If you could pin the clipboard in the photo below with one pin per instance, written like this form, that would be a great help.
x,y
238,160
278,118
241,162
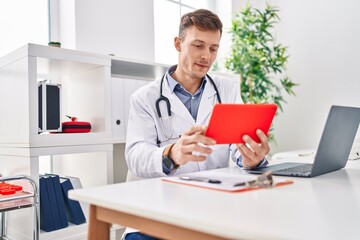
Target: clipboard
x,y
229,122
225,182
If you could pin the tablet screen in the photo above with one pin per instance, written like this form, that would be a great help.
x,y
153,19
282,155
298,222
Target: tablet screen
x,y
229,122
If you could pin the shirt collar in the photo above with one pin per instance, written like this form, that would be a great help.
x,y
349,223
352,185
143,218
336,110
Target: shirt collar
x,y
173,83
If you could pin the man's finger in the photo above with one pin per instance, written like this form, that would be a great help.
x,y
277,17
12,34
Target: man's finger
x,y
254,145
195,129
246,160
197,148
263,138
244,149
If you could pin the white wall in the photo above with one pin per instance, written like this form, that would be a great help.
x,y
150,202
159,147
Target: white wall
x,y
123,28
224,10
323,38
21,22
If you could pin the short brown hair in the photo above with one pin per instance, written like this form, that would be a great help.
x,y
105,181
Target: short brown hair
x,y
202,19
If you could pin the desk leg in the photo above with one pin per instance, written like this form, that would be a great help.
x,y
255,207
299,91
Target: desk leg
x,y
98,230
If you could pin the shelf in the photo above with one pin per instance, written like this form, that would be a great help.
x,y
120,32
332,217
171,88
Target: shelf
x,y
85,93
55,150
75,231
72,232
55,54
136,69
16,201
53,67
63,139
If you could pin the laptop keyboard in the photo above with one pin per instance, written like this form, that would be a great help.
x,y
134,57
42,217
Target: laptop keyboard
x,y
303,168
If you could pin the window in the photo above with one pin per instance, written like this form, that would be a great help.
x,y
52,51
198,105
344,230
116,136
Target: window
x,y
167,15
22,22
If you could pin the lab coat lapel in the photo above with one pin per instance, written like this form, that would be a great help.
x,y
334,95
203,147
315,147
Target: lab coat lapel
x,y
177,107
208,99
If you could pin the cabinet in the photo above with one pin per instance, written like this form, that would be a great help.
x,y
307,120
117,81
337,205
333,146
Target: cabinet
x,y
94,88
126,77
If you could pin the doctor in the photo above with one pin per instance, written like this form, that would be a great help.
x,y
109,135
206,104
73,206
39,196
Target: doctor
x,y
168,117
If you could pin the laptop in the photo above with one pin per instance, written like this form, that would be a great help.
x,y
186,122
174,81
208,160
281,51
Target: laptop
x,y
333,150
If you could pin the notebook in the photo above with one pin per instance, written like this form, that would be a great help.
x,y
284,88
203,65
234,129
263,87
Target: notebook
x,y
333,150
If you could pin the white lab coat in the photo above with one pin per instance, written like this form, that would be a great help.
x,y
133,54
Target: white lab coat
x,y
144,155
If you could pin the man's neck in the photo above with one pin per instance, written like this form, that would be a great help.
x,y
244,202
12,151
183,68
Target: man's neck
x,y
191,84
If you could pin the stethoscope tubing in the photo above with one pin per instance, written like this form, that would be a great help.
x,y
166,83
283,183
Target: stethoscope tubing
x,y
168,104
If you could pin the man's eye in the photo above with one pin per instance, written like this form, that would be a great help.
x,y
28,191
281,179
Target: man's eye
x,y
213,49
198,45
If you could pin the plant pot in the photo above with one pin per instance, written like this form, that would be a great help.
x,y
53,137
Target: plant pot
x,y
54,44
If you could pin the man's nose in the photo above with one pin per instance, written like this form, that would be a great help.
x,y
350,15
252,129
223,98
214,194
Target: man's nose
x,y
206,54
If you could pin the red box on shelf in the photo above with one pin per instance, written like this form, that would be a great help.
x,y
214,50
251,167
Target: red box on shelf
x,y
75,126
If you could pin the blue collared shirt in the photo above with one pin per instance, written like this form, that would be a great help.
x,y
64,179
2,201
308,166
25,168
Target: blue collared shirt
x,y
191,101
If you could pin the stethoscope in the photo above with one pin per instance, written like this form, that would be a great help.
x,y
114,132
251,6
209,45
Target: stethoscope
x,y
168,132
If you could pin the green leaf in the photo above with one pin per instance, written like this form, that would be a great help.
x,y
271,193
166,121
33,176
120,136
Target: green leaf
x,y
254,52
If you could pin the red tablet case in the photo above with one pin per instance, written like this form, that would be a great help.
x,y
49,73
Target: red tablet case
x,y
229,122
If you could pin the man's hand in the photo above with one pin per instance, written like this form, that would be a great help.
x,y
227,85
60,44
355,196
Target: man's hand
x,y
193,140
254,153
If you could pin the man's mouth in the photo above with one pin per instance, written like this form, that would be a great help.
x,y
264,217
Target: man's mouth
x,y
202,65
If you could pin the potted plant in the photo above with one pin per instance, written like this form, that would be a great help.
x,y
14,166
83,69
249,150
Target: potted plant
x,y
54,44
255,55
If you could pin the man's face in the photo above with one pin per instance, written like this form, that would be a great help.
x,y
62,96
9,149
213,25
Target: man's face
x,y
197,51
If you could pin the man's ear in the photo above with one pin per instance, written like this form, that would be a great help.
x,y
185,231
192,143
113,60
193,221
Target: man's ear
x,y
177,43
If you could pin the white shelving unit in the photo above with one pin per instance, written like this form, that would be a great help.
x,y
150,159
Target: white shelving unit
x,y
94,88
85,86
85,89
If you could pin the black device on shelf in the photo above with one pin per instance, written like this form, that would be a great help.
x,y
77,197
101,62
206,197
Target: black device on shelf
x,y
49,105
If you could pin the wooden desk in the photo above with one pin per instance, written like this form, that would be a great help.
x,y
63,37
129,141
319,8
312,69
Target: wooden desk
x,y
324,207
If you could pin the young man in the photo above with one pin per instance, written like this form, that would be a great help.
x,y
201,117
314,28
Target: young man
x,y
168,117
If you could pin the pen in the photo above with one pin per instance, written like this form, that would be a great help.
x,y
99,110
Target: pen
x,y
199,179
